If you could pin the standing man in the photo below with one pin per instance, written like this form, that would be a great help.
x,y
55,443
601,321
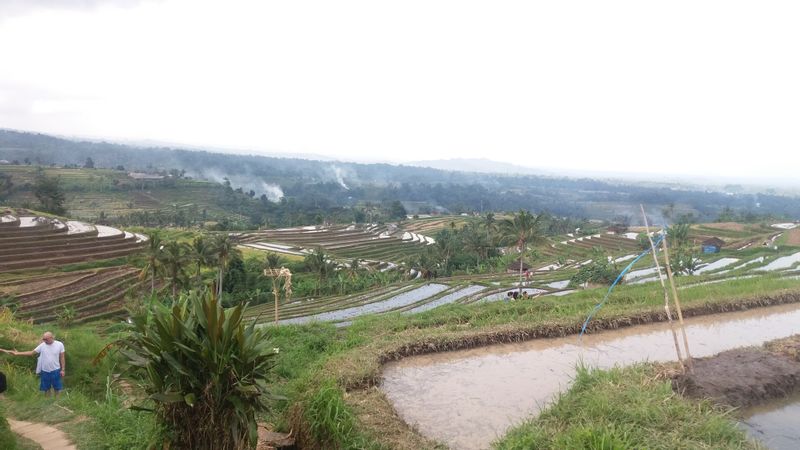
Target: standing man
x,y
50,365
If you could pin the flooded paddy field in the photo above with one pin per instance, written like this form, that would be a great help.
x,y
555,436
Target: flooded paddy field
x,y
776,424
468,398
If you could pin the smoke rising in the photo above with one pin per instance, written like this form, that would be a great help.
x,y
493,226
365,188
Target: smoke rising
x,y
272,191
338,173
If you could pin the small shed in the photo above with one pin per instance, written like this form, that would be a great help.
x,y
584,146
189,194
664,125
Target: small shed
x,y
712,245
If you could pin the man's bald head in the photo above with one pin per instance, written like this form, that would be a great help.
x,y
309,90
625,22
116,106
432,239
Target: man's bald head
x,y
48,337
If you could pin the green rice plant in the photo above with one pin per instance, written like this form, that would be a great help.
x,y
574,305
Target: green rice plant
x,y
204,371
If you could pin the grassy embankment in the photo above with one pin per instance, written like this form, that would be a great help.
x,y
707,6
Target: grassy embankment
x,y
634,407
629,407
93,410
328,373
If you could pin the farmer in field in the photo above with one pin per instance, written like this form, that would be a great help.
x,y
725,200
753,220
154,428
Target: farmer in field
x,y
50,365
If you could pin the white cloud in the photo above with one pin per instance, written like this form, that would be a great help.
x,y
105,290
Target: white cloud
x,y
684,87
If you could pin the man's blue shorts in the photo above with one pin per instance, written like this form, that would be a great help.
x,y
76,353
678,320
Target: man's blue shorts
x,y
49,380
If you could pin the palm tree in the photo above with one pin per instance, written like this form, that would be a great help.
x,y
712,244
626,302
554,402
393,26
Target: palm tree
x,y
678,234
154,245
273,260
174,255
444,247
522,229
425,264
354,268
224,249
318,262
476,242
202,253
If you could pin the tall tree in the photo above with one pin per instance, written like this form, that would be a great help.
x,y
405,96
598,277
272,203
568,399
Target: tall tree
x,y
273,260
224,249
5,185
522,229
203,254
49,193
174,256
678,234
444,247
476,242
320,263
153,265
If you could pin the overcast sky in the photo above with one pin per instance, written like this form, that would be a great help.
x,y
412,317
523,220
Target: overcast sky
x,y
680,87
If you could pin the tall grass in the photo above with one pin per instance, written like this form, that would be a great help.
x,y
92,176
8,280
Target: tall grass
x,y
626,408
7,439
92,408
332,424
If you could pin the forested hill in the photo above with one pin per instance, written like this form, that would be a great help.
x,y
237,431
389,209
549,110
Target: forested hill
x,y
327,184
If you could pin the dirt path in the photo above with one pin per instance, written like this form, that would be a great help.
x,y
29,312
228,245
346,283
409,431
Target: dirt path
x,y
49,438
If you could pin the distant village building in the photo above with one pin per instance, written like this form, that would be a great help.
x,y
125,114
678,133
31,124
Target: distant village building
x,y
145,176
712,245
4,161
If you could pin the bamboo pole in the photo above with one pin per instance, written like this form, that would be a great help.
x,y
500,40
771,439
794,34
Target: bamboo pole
x,y
677,305
275,294
277,275
664,288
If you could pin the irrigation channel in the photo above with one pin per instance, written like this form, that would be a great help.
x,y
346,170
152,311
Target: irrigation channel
x,y
775,424
469,398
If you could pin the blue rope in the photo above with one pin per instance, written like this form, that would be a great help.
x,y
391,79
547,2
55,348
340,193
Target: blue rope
x,y
619,277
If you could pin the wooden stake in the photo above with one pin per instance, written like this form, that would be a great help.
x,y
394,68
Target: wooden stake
x,y
278,275
677,304
275,294
664,288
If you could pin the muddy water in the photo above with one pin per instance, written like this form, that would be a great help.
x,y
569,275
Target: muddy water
x,y
469,398
775,424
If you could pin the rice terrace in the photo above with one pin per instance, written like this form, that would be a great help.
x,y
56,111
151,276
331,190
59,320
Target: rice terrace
x,y
377,332
351,225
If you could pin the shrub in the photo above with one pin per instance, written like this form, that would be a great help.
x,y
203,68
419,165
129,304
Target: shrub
x,y
600,270
204,370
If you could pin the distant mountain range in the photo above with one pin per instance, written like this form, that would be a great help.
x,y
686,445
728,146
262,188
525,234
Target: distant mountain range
x,y
454,185
479,165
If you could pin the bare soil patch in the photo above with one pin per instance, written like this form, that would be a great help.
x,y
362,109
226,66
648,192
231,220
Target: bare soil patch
x,y
731,226
23,286
741,377
793,237
268,439
788,347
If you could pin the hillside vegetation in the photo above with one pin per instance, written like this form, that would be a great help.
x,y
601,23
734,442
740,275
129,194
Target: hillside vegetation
x,y
315,191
